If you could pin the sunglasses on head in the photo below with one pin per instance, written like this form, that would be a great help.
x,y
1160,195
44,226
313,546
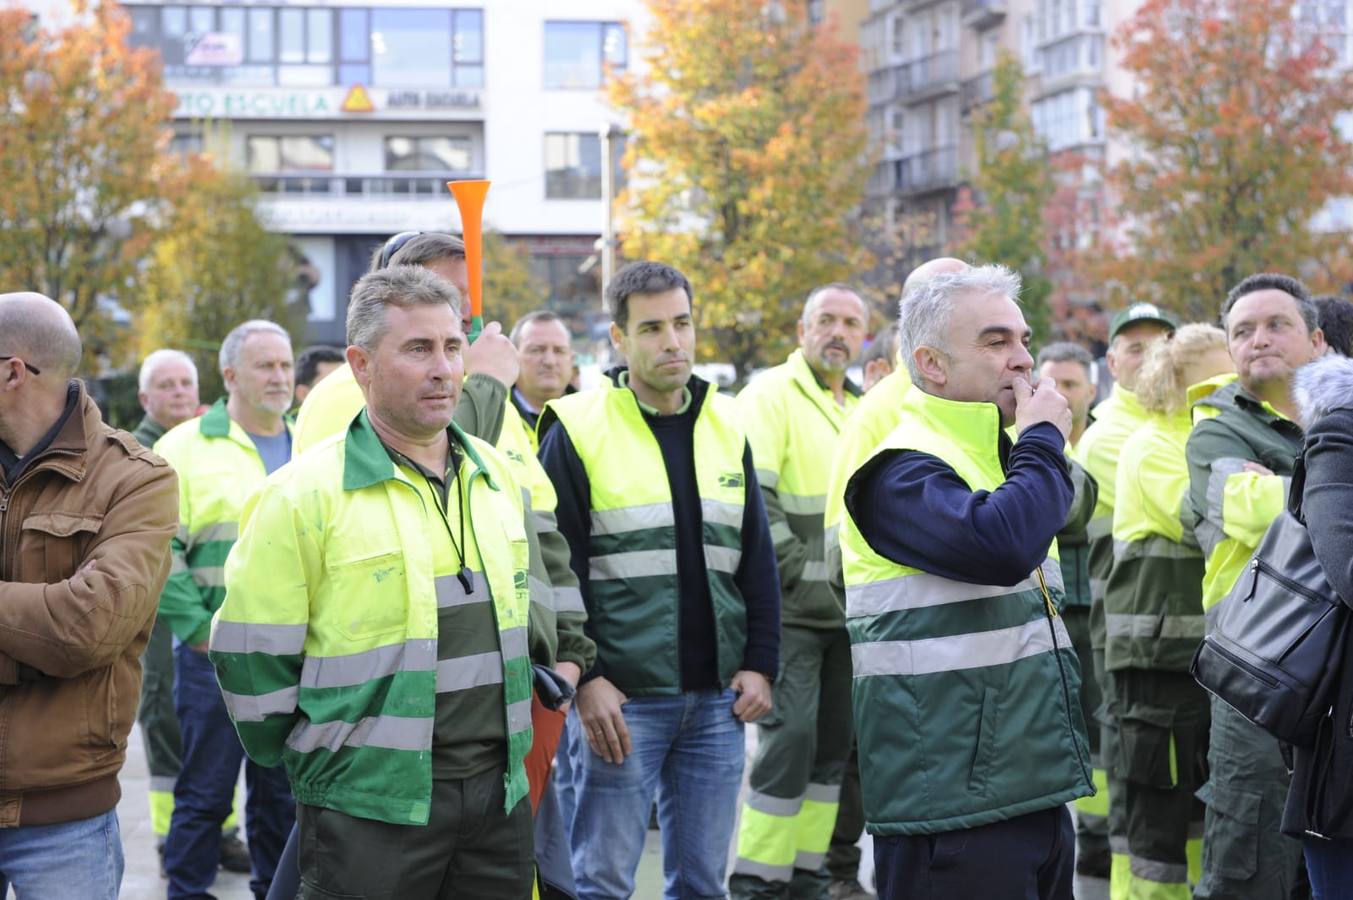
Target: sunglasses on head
x,y
27,365
394,245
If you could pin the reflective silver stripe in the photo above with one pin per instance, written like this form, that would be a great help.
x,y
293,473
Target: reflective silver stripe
x,y
417,655
632,518
780,531
1144,625
541,593
388,732
221,531
164,783
518,716
256,707
722,559
956,652
801,505
465,672
632,564
450,592
274,640
1118,844
1159,872
568,600
824,793
208,576
923,589
514,642
1098,528
1154,546
722,513
767,478
764,871
1222,469
1097,587
807,861
181,534
177,565
1209,537
815,570
544,522
786,807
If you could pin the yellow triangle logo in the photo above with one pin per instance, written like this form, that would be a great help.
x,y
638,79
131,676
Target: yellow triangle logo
x,y
357,100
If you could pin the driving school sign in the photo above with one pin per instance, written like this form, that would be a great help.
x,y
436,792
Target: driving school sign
x,y
324,103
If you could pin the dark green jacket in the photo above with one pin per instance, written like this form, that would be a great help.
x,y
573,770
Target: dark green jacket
x,y
1072,541
148,432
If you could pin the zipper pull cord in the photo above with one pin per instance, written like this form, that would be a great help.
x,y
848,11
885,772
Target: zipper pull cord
x,y
1047,596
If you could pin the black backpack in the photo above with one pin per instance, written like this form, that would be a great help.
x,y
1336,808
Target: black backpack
x,y
1274,644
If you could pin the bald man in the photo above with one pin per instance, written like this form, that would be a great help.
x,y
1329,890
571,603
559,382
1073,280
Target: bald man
x,y
86,515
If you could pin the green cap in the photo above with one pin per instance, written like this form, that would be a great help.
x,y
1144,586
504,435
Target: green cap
x,y
1141,312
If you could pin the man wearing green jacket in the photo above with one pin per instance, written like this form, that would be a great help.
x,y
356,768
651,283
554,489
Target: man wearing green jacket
x,y
793,413
220,457
965,682
1241,454
375,634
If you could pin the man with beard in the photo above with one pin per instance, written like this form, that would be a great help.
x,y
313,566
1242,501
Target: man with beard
x,y
793,414
220,458
1241,455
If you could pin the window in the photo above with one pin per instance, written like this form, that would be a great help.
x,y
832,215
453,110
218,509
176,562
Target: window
x,y
467,47
578,53
427,154
290,153
572,167
1069,118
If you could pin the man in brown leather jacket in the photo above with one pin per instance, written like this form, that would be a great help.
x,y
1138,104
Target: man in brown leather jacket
x,y
86,514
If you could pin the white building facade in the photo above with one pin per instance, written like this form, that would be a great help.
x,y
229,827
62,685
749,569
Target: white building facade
x,y
351,116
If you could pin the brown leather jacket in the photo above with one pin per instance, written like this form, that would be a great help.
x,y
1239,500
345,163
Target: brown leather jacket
x,y
70,640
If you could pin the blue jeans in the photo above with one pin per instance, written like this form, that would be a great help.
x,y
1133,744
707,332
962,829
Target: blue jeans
x,y
689,750
79,860
1330,864
212,755
568,764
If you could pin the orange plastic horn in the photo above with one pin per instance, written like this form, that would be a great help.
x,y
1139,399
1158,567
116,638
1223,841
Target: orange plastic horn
x,y
470,199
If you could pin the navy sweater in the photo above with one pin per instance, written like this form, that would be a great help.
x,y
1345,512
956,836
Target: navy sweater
x,y
977,537
757,578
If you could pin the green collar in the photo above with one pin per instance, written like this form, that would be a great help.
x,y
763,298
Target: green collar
x,y
624,379
366,463
216,421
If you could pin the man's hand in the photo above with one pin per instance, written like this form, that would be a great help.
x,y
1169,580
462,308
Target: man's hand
x,y
753,695
1256,468
1041,404
599,704
571,674
492,354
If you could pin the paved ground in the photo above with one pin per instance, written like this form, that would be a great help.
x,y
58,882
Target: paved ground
x,y
142,880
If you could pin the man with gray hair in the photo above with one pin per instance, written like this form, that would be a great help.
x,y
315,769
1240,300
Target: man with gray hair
x,y
383,649
971,740
221,457
86,515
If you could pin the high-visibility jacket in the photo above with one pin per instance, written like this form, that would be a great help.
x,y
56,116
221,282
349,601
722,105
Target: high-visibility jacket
x,y
1232,508
872,420
1116,419
964,694
792,421
632,558
1153,606
218,467
326,646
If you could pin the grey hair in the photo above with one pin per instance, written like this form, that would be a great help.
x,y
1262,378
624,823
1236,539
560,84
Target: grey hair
x,y
925,309
818,291
234,342
401,286
41,332
159,358
1066,351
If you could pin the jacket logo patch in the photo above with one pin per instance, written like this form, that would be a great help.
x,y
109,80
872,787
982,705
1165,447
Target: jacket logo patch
x,y
731,480
382,574
515,457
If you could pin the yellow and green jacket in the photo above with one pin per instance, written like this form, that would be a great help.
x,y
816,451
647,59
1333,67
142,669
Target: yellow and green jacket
x,y
218,467
792,422
1153,606
963,691
326,646
1230,507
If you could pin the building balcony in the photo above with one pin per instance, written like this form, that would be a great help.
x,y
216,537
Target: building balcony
x,y
930,170
385,203
402,185
983,14
977,91
928,77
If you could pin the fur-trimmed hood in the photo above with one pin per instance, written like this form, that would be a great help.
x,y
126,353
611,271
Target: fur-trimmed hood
x,y
1323,386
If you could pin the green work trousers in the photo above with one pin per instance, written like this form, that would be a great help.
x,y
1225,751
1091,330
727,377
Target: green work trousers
x,y
843,856
1092,826
789,815
470,849
160,725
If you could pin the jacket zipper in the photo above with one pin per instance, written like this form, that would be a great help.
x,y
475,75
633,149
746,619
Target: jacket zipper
x,y
1051,613
1258,565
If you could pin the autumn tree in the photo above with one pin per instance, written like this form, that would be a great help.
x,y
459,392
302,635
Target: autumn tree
x,y
1000,214
511,289
82,160
1235,149
214,266
746,158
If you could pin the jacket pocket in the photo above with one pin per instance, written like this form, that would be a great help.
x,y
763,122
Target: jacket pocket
x,y
984,746
1146,747
372,594
1232,846
53,544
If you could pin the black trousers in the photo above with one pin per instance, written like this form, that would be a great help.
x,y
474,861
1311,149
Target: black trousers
x,y
1030,857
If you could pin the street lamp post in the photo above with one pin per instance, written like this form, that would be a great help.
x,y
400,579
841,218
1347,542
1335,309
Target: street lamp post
x,y
610,138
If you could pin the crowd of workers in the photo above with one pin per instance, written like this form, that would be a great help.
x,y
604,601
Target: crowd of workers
x,y
466,628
